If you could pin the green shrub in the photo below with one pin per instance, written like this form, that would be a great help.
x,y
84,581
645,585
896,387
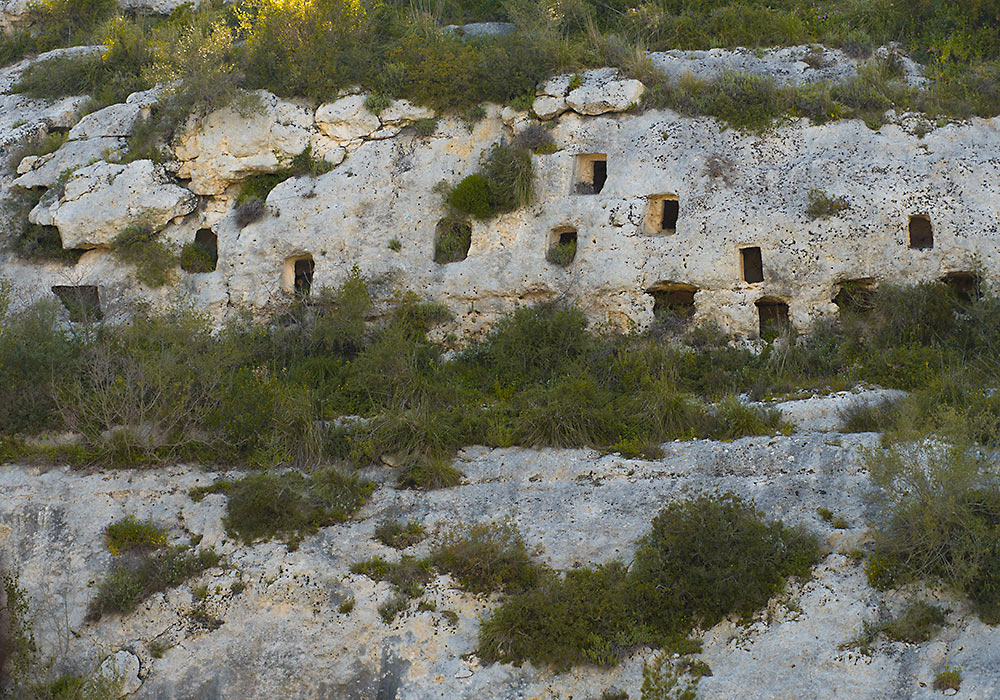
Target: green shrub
x,y
561,254
452,240
509,173
408,575
472,196
36,355
395,605
936,513
130,534
108,77
822,206
484,558
425,127
197,62
289,505
429,474
376,103
140,246
665,678
146,391
503,184
340,328
740,100
704,559
15,44
33,242
196,257
869,417
916,623
731,419
532,344
398,536
584,617
733,561
131,581
948,679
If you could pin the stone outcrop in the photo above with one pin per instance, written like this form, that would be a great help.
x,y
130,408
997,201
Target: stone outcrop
x,y
593,92
282,633
23,119
99,136
99,201
227,146
788,65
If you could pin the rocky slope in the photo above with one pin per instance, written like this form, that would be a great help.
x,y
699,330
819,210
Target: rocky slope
x,y
283,635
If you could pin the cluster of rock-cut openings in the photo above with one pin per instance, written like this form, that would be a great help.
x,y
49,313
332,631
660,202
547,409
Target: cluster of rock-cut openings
x,y
671,299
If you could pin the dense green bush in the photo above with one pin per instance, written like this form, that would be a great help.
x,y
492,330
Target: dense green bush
x,y
730,560
503,185
489,557
195,258
132,580
131,534
108,76
561,254
36,357
936,514
586,616
704,559
288,505
472,196
453,237
315,49
141,246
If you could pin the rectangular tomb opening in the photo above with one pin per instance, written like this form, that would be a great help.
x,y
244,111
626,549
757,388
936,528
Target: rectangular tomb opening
x,y
751,265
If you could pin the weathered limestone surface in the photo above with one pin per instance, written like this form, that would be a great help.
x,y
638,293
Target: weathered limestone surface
x,y
734,190
99,201
227,146
789,65
600,91
284,637
13,14
24,117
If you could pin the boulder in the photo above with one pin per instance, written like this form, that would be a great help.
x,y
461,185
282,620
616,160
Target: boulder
x,y
403,112
13,14
122,667
46,170
347,119
478,29
548,107
114,120
592,92
100,200
228,145
603,91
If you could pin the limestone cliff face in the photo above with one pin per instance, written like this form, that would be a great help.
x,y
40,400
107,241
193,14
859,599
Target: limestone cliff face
x,y
282,635
920,206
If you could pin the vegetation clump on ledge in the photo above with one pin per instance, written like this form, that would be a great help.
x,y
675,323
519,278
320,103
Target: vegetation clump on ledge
x,y
214,53
704,559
